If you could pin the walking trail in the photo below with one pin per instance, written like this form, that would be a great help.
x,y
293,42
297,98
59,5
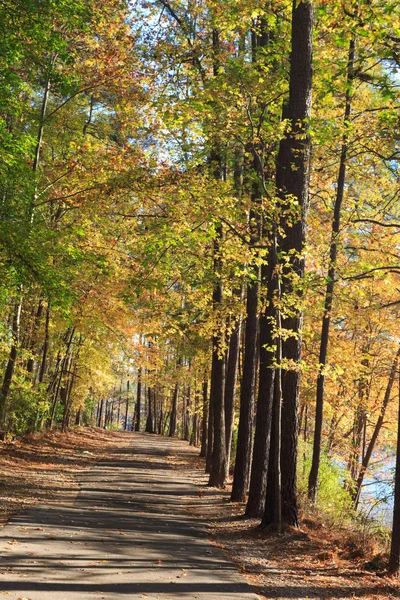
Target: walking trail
x,y
128,534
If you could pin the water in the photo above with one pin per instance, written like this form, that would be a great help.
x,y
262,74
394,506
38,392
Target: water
x,y
377,494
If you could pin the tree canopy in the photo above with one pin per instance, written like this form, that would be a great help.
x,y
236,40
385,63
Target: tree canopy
x,y
202,198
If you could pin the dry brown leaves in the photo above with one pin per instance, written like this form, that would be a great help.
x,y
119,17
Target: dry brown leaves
x,y
43,467
310,562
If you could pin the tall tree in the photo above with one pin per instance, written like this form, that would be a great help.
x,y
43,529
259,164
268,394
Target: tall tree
x,y
292,182
394,558
331,277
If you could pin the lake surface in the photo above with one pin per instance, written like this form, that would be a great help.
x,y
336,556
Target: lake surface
x,y
377,493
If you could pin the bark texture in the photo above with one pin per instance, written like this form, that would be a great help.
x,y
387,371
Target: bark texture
x,y
292,180
243,452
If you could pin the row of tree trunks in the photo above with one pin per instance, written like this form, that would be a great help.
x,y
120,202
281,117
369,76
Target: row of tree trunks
x,y
273,472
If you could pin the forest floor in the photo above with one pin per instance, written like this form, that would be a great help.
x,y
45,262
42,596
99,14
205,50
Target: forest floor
x,y
312,562
315,561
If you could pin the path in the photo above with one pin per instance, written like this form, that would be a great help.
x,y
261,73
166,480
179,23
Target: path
x,y
126,536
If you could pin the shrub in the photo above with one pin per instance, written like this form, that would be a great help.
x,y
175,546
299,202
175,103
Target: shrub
x,y
332,497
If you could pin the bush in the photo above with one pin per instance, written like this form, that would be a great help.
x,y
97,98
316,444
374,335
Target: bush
x,y
27,409
332,497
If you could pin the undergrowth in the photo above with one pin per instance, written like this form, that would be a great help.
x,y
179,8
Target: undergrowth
x,y
358,534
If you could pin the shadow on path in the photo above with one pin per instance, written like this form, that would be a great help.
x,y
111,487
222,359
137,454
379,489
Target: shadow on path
x,y
128,534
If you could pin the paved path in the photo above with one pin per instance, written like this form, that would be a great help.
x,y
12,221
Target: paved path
x,y
125,537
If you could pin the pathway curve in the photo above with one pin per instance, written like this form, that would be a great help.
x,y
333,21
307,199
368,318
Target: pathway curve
x,y
127,536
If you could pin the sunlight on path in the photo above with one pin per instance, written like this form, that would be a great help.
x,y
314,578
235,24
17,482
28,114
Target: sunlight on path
x,y
125,537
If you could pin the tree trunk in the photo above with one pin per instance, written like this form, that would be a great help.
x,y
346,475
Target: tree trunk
x,y
269,516
367,456
261,36
174,411
219,466
149,421
32,342
119,406
64,367
68,394
359,424
292,181
43,365
43,110
204,428
138,399
259,466
323,350
210,437
194,437
230,386
126,407
394,559
9,372
247,390
100,416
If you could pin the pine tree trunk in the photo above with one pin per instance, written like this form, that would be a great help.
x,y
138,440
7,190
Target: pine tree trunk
x,y
247,390
259,466
174,411
204,428
230,386
292,181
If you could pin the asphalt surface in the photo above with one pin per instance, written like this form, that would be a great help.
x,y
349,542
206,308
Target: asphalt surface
x,y
128,535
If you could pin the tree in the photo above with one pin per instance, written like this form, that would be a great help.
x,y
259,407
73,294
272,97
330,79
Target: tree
x,y
292,182
394,558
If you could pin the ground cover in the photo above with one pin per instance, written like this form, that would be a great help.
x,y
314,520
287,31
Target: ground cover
x,y
313,562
